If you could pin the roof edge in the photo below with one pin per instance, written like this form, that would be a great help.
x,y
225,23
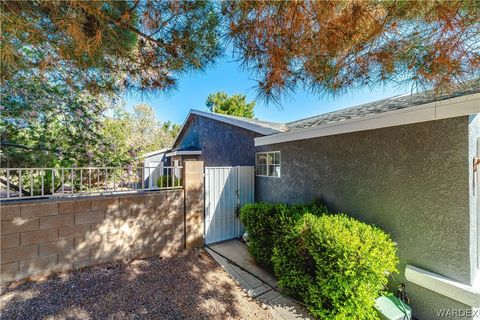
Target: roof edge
x,y
234,121
448,108
152,153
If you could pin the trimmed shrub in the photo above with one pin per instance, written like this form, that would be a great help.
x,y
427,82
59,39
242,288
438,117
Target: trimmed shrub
x,y
267,225
335,264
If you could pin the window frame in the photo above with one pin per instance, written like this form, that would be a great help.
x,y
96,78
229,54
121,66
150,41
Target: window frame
x,y
268,165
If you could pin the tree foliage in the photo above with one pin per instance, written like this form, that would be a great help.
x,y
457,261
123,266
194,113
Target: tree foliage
x,y
324,46
136,133
108,45
50,124
234,105
328,46
45,124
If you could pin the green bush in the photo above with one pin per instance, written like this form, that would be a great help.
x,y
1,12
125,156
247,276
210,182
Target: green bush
x,y
166,182
335,264
267,224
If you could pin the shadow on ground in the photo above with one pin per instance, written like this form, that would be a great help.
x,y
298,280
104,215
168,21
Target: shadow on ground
x,y
188,286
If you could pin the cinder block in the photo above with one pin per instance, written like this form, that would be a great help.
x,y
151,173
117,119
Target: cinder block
x,y
149,200
107,254
9,212
112,204
104,204
66,207
192,167
176,215
121,210
64,220
89,217
38,265
142,211
91,241
84,264
53,247
19,253
194,231
39,210
75,256
32,237
74,231
82,205
18,225
74,206
8,271
160,198
141,253
10,241
137,202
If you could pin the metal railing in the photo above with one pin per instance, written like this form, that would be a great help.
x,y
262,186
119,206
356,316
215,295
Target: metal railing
x,y
63,182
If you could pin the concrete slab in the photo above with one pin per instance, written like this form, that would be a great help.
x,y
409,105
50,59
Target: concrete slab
x,y
281,307
237,252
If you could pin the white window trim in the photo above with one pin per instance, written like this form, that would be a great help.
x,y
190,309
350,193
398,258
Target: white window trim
x,y
280,164
466,294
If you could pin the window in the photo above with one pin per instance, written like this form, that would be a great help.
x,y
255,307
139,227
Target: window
x,y
268,164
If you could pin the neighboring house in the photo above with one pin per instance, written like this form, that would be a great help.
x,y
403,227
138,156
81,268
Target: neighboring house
x,y
153,163
405,164
219,140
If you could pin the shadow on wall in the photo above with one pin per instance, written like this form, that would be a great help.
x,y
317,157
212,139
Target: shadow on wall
x,y
189,285
38,239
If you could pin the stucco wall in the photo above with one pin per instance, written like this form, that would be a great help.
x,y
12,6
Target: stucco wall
x,y
412,181
474,181
221,144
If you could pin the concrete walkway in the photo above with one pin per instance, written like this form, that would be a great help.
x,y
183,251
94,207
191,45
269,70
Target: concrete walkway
x,y
281,307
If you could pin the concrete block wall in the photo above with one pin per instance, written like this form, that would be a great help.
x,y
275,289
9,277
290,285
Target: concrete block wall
x,y
47,236
194,204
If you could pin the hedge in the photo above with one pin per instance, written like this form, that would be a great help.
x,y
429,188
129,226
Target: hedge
x,y
334,263
267,223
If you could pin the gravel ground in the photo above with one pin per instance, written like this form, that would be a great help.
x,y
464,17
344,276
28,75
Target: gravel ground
x,y
190,285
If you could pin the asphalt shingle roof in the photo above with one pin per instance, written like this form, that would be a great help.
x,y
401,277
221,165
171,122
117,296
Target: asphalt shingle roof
x,y
376,107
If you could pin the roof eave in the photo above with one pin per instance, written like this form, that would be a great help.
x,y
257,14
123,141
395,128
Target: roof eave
x,y
449,108
184,153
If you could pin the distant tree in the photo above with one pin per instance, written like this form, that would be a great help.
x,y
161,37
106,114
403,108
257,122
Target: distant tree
x,y
136,133
234,105
150,134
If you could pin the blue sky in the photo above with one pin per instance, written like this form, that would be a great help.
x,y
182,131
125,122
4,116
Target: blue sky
x,y
228,76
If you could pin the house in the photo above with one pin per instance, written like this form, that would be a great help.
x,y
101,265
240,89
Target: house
x,y
409,165
219,140
405,164
153,164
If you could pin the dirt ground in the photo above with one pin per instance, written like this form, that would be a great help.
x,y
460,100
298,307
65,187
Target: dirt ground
x,y
190,285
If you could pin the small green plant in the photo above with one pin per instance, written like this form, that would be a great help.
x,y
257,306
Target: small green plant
x,y
168,181
336,264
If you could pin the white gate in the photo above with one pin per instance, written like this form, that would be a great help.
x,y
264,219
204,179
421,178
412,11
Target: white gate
x,y
226,189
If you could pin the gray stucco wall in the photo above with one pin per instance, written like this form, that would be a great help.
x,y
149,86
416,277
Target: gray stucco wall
x,y
221,144
474,181
412,181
